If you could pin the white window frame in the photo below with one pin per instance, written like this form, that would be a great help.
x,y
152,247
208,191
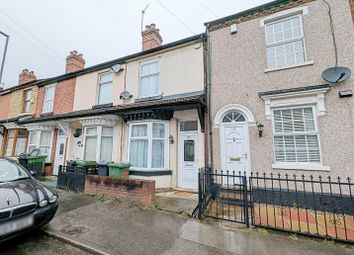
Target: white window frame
x,y
149,137
104,83
48,100
27,100
299,165
99,140
37,144
274,44
141,64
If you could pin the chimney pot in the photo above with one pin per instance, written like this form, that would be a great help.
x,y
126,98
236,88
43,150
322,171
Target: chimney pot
x,y
26,76
74,62
151,37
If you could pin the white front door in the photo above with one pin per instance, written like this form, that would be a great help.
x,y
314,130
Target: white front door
x,y
188,161
60,153
234,148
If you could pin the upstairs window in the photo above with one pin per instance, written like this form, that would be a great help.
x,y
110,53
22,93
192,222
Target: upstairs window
x,y
48,99
296,136
105,88
27,96
285,42
149,79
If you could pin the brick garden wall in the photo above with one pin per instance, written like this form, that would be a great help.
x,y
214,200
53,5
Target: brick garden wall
x,y
142,191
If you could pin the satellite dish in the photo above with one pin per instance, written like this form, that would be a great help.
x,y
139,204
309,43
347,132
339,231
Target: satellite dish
x,y
116,68
336,74
125,95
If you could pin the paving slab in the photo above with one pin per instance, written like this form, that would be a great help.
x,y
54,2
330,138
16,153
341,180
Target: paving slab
x,y
177,201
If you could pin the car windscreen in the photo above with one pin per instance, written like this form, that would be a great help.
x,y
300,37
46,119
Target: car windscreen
x,y
10,171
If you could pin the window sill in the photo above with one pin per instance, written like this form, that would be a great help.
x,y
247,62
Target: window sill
x,y
305,167
25,114
143,99
268,70
44,114
100,106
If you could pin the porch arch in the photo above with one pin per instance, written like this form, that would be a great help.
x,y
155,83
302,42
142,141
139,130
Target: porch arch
x,y
234,107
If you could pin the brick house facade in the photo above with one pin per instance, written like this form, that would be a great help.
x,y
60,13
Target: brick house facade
x,y
276,77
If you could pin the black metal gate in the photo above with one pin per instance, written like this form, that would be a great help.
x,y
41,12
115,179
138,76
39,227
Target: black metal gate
x,y
223,195
320,207
73,178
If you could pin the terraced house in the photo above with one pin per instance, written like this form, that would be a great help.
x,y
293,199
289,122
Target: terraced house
x,y
31,100
271,110
15,103
146,108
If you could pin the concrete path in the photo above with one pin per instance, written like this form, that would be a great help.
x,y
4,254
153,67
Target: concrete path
x,y
177,202
120,228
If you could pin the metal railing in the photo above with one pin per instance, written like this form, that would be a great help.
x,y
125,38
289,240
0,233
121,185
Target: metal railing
x,y
223,195
313,206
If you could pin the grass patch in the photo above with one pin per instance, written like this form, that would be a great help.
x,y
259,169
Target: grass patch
x,y
293,236
104,198
262,231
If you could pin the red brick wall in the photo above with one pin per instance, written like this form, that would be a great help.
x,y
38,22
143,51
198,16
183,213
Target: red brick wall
x,y
40,98
142,191
4,106
64,96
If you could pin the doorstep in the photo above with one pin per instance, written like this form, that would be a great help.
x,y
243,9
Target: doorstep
x,y
177,201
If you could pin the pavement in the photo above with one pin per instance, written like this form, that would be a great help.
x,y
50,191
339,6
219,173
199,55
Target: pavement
x,y
110,226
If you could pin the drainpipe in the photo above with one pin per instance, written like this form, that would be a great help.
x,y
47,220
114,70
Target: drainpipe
x,y
210,122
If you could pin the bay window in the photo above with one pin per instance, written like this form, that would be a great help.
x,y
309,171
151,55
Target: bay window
x,y
98,143
105,88
148,145
296,138
45,143
16,142
149,78
42,140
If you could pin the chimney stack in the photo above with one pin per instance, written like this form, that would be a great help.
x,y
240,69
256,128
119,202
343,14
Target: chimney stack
x,y
26,76
74,62
151,37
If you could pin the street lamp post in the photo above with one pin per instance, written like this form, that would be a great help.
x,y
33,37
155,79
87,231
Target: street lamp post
x,y
4,55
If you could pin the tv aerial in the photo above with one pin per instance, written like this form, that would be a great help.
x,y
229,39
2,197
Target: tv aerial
x,y
142,16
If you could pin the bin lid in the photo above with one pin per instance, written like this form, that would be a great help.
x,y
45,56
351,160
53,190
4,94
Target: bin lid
x,y
120,165
104,163
38,157
86,163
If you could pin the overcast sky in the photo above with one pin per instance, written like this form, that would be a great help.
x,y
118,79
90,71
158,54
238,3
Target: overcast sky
x,y
43,32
